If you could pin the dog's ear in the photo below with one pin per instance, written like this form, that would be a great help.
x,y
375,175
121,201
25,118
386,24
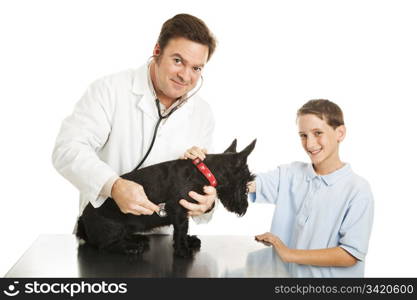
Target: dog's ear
x,y
232,147
245,152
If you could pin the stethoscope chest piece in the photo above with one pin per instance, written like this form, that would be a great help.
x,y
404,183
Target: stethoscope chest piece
x,y
162,212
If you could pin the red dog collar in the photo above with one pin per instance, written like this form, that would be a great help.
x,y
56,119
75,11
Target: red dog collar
x,y
205,171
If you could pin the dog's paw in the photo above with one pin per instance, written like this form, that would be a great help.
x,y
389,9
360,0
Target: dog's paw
x,y
193,242
140,238
132,251
136,245
139,242
136,249
183,252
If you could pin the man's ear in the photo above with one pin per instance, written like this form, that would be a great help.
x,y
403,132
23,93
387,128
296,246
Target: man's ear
x,y
340,133
245,152
157,50
232,147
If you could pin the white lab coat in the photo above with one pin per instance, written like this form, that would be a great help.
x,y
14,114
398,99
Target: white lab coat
x,y
111,129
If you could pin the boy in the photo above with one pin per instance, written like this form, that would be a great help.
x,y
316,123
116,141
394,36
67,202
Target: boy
x,y
324,211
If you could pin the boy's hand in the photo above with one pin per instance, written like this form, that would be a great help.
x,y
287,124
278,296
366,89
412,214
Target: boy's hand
x,y
269,239
195,152
251,186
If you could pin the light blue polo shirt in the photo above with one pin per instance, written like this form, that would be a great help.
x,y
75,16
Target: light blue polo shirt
x,y
317,212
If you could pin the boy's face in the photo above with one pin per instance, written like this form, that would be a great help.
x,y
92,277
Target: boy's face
x,y
320,140
179,67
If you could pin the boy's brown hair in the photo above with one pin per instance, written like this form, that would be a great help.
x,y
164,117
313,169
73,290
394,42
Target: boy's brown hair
x,y
325,110
189,27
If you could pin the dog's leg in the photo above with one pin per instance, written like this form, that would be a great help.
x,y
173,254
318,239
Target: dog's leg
x,y
107,234
98,230
128,245
116,237
193,242
141,241
181,247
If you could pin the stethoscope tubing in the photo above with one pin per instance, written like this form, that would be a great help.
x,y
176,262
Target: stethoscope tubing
x,y
161,117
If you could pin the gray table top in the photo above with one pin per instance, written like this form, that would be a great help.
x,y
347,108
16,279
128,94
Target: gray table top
x,y
219,256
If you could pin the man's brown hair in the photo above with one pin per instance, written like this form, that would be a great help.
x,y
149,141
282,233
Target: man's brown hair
x,y
325,110
189,27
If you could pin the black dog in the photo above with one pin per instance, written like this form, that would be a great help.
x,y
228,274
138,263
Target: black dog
x,y
108,228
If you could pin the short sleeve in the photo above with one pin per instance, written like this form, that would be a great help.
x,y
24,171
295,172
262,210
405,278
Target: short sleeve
x,y
267,186
356,227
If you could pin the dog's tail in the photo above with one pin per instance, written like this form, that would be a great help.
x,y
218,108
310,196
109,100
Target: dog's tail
x,y
81,229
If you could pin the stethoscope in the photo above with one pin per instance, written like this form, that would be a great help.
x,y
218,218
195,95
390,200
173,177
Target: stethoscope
x,y
161,116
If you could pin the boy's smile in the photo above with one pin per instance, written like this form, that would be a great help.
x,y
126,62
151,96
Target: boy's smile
x,y
321,142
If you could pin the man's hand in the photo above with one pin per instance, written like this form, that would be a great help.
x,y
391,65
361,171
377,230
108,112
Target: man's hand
x,y
205,202
131,198
195,152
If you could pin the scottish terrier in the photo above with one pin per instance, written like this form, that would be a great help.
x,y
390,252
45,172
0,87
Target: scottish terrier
x,y
107,228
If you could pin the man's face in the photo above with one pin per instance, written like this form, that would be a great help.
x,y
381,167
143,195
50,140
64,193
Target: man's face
x,y
178,68
319,139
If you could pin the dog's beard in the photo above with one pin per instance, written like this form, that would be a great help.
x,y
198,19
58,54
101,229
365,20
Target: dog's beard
x,y
235,198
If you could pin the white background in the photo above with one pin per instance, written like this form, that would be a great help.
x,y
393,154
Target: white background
x,y
272,57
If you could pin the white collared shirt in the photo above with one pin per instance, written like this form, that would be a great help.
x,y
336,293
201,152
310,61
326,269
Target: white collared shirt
x,y
111,129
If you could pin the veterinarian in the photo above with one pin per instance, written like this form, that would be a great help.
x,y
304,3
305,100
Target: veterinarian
x,y
113,125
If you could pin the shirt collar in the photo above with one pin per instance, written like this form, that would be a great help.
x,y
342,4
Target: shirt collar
x,y
142,83
329,179
146,99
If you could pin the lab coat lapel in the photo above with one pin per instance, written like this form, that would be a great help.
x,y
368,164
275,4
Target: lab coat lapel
x,y
148,114
140,87
149,118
